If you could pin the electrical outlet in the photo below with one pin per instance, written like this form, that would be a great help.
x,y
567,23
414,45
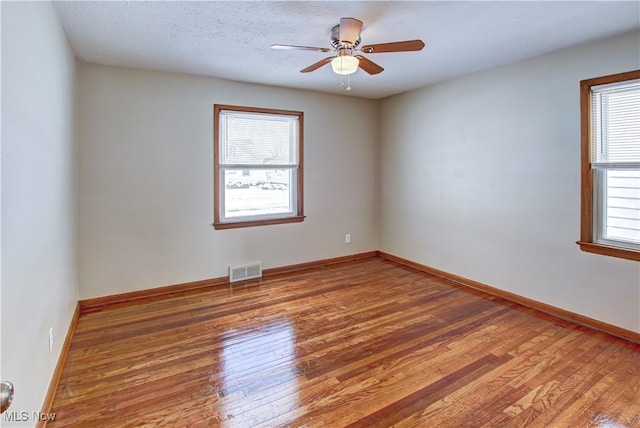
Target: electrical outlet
x,y
51,339
347,238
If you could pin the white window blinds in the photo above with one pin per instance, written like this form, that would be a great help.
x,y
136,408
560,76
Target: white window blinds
x,y
615,121
258,139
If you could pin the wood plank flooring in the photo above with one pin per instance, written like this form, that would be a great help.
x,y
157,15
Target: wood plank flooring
x,y
368,343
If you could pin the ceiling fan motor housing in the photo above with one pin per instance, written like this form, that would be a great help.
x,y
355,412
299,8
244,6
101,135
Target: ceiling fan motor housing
x,y
337,43
343,51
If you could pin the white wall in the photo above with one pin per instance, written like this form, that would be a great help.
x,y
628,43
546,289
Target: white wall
x,y
480,177
39,285
146,180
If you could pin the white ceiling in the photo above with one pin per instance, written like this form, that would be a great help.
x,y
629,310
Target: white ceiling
x,y
231,39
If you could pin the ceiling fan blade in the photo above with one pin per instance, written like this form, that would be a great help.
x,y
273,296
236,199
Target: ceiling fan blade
x,y
406,46
317,65
350,30
368,65
300,48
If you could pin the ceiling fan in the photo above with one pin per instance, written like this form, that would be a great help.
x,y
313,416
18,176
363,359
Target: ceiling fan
x,y
345,39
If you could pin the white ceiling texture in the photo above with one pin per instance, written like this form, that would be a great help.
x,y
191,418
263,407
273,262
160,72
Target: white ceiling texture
x,y
232,39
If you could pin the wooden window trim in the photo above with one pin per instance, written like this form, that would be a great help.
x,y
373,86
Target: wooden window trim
x,y
587,174
217,224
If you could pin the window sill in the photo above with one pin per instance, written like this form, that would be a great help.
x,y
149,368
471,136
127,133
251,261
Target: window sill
x,y
608,250
235,225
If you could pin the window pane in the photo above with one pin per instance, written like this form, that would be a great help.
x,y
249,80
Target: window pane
x,y
622,209
251,139
258,192
615,122
257,162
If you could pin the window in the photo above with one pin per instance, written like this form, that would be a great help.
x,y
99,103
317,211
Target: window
x,y
257,166
610,128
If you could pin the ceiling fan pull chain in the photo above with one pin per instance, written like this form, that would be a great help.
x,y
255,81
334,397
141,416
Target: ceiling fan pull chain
x,y
348,82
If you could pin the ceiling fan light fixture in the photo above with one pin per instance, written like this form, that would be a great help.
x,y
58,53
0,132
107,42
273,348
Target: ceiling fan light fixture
x,y
344,64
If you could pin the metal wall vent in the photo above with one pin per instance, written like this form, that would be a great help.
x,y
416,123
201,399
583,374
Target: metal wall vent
x,y
244,272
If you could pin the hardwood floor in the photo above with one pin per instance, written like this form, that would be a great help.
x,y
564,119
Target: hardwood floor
x,y
368,343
